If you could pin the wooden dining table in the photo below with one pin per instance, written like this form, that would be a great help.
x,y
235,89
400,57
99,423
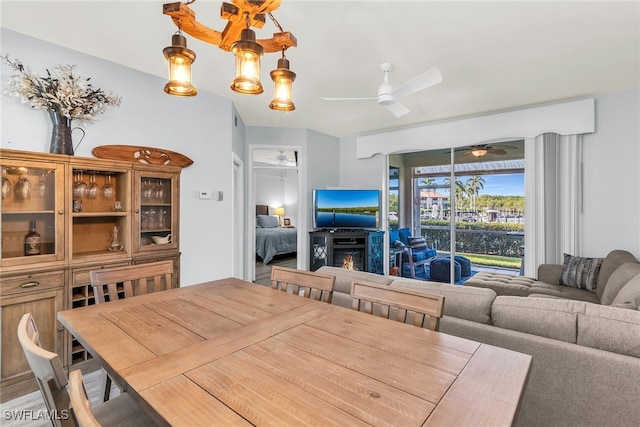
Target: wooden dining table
x,y
230,352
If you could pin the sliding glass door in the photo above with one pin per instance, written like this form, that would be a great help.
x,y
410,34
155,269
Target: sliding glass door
x,y
476,213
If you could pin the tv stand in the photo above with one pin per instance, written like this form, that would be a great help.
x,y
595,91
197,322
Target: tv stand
x,y
356,249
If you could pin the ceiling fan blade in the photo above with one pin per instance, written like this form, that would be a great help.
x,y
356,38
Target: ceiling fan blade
x,y
397,109
347,99
499,151
423,81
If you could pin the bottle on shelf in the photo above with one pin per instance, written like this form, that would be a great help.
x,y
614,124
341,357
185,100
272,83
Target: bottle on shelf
x,y
32,240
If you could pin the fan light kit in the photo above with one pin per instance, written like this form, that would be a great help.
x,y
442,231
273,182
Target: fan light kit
x,y
387,96
479,151
237,37
482,150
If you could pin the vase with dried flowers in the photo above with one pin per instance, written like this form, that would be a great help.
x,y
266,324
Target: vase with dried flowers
x,y
65,95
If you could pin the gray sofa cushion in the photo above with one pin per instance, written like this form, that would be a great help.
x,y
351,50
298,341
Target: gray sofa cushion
x,y
545,317
562,291
610,328
502,284
618,280
610,264
344,277
630,293
463,302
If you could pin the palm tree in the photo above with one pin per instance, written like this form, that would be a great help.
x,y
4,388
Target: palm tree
x,y
460,190
475,184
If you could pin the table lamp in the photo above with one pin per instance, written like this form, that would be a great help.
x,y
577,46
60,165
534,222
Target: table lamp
x,y
280,213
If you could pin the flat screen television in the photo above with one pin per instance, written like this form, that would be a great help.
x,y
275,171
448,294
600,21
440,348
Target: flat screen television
x,y
344,209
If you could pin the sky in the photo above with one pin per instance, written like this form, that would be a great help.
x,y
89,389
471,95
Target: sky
x,y
503,185
500,184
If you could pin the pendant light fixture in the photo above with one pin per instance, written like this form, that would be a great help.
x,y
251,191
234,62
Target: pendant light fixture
x,y
248,54
283,86
237,37
180,59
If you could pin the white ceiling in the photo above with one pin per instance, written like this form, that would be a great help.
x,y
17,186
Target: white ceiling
x,y
494,56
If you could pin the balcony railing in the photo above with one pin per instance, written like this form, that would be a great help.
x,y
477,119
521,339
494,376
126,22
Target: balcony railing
x,y
501,243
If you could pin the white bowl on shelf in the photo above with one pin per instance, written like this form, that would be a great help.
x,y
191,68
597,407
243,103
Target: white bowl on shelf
x,y
161,240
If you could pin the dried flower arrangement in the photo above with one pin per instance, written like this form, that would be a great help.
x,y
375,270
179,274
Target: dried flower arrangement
x,y
62,92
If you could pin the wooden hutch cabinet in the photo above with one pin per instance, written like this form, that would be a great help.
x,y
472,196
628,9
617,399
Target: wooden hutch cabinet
x,y
89,213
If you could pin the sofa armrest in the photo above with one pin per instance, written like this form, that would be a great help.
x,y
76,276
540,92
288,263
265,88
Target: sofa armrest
x,y
549,273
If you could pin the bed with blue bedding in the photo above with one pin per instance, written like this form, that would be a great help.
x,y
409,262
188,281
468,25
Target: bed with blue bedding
x,y
272,240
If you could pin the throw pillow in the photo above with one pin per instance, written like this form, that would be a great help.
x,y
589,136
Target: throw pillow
x,y
404,234
581,273
417,243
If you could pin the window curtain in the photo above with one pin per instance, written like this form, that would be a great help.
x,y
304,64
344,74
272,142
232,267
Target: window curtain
x,y
553,199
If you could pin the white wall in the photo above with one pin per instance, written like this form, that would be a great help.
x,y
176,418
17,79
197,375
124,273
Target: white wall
x,y
612,176
198,127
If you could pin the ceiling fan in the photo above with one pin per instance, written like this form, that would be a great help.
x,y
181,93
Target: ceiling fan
x,y
482,150
387,95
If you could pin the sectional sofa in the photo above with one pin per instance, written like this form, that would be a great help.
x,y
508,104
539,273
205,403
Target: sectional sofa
x,y
586,356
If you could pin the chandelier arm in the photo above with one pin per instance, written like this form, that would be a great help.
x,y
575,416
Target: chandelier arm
x,y
265,6
185,19
278,42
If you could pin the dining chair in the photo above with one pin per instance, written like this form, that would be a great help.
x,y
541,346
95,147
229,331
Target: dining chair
x,y
309,284
80,401
50,376
115,283
111,284
404,305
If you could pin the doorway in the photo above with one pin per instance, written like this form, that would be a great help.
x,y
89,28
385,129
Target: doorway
x,y
274,209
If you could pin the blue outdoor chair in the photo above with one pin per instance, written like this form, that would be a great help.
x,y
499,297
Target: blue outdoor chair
x,y
415,250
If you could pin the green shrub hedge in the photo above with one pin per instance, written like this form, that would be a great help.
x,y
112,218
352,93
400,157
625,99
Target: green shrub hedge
x,y
476,237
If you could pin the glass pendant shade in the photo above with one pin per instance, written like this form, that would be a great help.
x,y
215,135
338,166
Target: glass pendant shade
x,y
180,59
283,86
479,152
247,53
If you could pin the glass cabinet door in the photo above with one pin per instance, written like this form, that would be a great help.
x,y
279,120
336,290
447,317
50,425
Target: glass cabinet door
x,y
100,211
32,212
156,215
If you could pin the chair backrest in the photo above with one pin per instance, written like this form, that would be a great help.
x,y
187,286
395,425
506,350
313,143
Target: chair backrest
x,y
80,403
404,305
132,280
309,284
48,370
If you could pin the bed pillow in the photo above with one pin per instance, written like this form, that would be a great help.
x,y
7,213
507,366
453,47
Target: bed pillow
x,y
267,221
581,273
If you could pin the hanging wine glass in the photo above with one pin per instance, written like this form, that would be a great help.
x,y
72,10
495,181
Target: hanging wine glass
x,y
41,186
80,187
108,191
6,184
23,187
94,188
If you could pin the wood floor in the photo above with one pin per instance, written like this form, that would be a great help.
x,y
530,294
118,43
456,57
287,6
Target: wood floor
x,y
263,272
32,410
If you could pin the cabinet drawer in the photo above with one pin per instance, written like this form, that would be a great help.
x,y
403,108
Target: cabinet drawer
x,y
81,275
31,282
